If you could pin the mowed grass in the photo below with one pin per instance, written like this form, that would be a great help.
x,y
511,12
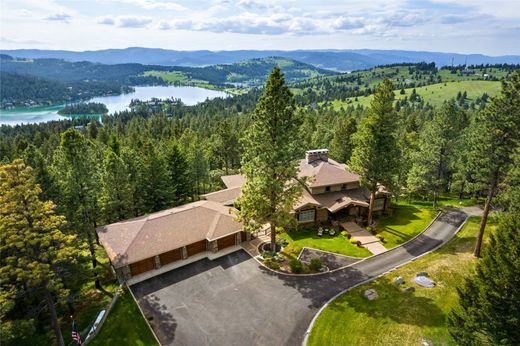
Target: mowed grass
x,y
125,325
404,223
434,94
398,318
308,238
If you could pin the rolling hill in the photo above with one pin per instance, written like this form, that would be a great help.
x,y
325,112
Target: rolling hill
x,y
340,60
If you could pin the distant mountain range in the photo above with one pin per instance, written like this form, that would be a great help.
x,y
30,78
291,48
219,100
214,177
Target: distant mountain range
x,y
339,60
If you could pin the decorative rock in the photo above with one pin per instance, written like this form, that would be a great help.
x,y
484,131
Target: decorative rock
x,y
371,294
422,274
399,280
409,289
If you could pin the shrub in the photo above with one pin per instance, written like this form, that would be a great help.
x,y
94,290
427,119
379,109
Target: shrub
x,y
275,265
344,233
358,243
315,264
380,237
296,266
267,254
268,261
353,240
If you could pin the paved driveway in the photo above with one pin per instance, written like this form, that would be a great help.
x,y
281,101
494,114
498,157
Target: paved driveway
x,y
235,301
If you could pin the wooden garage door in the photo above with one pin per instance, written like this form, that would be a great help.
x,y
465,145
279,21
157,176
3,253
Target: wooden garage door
x,y
171,256
227,241
196,248
142,266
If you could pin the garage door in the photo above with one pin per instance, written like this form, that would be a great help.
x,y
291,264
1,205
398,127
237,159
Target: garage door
x,y
227,241
171,256
142,266
196,248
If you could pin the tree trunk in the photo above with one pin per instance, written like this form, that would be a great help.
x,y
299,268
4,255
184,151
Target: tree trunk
x,y
371,207
483,223
227,167
273,237
54,318
461,192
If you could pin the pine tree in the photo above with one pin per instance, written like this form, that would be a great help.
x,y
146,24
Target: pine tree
x,y
116,194
270,159
494,134
341,145
157,194
35,251
434,160
178,172
76,174
488,311
376,154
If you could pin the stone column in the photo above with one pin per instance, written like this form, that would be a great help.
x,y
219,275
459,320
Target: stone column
x,y
157,262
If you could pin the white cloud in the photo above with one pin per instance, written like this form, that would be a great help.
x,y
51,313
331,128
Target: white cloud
x,y
25,13
107,20
59,17
152,4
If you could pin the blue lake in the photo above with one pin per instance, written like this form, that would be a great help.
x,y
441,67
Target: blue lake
x,y
188,95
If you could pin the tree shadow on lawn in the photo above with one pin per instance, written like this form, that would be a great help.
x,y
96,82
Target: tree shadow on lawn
x,y
161,321
392,303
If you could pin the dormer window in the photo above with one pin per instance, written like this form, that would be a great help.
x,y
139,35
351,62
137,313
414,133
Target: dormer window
x,y
327,188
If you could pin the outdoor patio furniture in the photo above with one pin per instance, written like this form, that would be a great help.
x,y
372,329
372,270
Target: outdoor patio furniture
x,y
320,232
332,231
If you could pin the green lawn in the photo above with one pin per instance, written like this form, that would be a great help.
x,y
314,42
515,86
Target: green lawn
x,y
125,325
309,238
404,223
434,94
398,318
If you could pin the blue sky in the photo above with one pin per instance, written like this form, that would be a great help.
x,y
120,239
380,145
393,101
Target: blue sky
x,y
464,26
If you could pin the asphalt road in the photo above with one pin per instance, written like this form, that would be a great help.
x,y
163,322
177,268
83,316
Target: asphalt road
x,y
235,301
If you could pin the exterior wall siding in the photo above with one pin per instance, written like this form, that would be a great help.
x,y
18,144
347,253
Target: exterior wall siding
x,y
333,188
322,214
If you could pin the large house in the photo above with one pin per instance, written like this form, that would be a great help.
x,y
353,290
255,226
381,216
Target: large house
x,y
331,190
152,244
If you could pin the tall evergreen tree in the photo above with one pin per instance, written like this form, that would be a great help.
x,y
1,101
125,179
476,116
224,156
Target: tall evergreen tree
x,y
494,134
341,145
35,251
157,194
116,194
76,173
34,158
376,154
434,160
488,311
270,160
178,172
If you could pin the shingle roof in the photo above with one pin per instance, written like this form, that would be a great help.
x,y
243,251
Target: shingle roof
x,y
226,196
150,235
325,173
234,180
335,201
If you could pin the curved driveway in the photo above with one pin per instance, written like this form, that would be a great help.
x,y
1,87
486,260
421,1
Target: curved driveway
x,y
235,301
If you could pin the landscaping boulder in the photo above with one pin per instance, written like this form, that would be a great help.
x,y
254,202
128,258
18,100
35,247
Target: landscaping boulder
x,y
409,289
371,294
399,280
424,281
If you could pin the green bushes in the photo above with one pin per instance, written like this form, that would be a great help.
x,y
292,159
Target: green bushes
x,y
315,264
296,266
275,265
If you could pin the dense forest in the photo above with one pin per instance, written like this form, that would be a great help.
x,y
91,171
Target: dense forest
x,y
144,160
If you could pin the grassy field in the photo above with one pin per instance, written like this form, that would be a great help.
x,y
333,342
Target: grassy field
x,y
405,223
434,94
309,238
125,325
398,318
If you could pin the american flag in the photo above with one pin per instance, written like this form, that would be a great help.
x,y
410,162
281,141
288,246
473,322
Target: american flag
x,y
75,334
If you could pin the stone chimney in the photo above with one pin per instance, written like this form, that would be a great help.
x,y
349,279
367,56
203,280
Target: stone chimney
x,y
315,155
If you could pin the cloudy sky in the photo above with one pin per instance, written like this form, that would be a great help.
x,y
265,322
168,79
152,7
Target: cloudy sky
x,y
489,27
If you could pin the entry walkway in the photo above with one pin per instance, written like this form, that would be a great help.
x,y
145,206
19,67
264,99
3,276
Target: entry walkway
x,y
251,246
366,238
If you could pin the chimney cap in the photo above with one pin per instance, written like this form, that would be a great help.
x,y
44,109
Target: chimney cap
x,y
318,151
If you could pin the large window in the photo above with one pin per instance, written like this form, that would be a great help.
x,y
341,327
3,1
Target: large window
x,y
379,204
306,215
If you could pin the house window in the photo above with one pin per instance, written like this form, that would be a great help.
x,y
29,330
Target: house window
x,y
306,215
327,188
379,204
